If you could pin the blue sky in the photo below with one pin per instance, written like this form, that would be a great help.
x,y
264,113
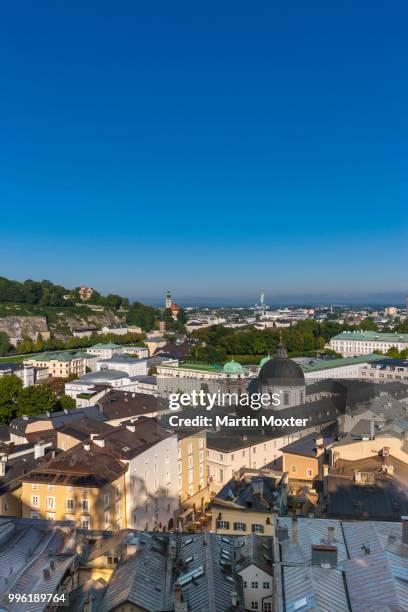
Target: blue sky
x,y
211,148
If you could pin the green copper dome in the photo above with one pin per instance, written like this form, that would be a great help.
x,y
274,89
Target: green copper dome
x,y
264,360
232,367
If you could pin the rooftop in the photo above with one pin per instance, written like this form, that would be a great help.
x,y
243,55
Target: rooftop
x,y
306,446
121,404
254,492
371,335
28,548
107,345
370,572
128,443
63,356
79,467
316,365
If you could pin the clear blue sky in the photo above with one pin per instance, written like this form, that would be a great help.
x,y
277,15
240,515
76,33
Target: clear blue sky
x,y
212,148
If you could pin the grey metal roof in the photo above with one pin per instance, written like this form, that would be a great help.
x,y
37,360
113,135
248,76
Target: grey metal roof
x,y
371,572
27,547
253,549
316,588
211,590
141,580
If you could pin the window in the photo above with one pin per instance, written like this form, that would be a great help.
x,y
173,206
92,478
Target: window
x,y
50,516
85,523
254,585
309,472
190,449
35,515
70,504
35,501
220,475
245,584
266,585
293,469
190,490
222,524
34,485
85,505
254,605
221,457
50,487
239,526
267,607
106,499
50,503
257,528
106,519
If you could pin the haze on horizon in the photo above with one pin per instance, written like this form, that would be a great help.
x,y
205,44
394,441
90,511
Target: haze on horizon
x,y
210,150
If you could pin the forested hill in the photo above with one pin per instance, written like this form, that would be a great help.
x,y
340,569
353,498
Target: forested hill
x,y
66,308
45,293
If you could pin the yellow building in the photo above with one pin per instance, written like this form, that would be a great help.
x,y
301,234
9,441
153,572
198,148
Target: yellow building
x,y
304,459
247,502
60,365
14,463
85,484
192,470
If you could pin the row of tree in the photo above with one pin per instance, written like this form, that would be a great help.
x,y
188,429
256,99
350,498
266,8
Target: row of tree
x,y
16,401
55,344
215,344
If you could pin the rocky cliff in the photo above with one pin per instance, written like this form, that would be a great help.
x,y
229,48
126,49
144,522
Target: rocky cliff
x,y
17,327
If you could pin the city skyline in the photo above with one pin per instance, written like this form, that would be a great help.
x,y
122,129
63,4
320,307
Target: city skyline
x,y
197,151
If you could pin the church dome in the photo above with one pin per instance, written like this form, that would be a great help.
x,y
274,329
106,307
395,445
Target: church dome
x,y
233,367
281,371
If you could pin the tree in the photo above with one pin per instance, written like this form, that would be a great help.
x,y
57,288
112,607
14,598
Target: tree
x,y
36,400
368,325
393,352
10,388
5,345
65,402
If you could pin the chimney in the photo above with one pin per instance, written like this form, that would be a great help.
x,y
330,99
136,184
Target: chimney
x,y
39,450
100,443
294,530
404,520
330,534
93,435
324,554
131,428
46,572
319,441
3,465
234,599
372,430
178,594
87,446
